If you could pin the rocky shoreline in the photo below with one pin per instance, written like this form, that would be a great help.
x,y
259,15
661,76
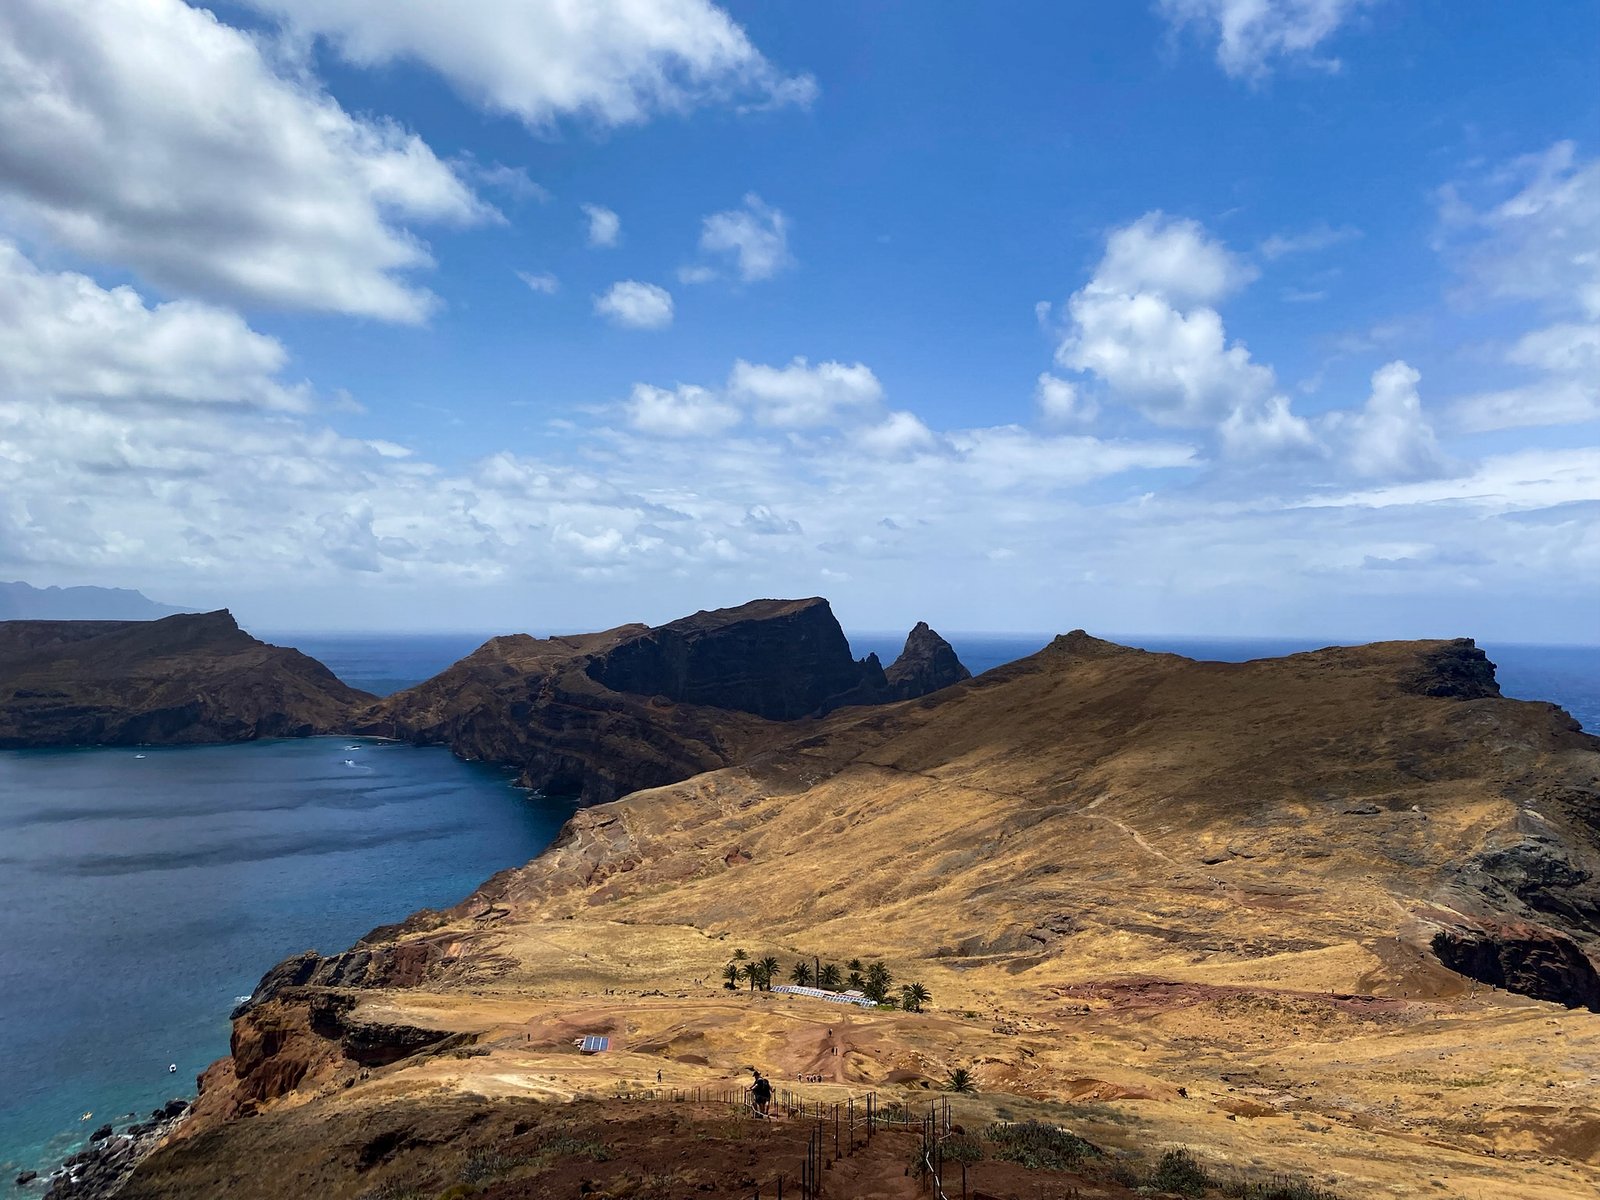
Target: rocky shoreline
x,y
97,1172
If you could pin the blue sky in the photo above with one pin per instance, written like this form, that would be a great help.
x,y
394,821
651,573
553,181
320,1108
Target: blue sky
x,y
1195,316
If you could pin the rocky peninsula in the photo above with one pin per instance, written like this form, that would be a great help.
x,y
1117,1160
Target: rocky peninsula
x,y
182,679
600,715
1330,916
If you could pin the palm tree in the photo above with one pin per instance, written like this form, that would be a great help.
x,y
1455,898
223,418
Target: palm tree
x,y
752,972
828,977
854,981
738,956
913,996
877,982
959,1079
801,973
855,966
731,974
769,968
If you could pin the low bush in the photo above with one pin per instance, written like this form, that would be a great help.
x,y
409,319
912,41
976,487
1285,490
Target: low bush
x,y
1038,1146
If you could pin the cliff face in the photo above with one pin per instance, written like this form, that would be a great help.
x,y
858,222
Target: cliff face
x,y
779,659
927,664
182,679
603,714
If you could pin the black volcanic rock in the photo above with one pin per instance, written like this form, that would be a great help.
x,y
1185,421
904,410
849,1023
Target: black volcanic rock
x,y
183,679
927,664
602,714
1457,670
778,659
1522,957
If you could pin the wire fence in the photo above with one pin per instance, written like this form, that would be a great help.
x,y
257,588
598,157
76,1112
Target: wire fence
x,y
838,1129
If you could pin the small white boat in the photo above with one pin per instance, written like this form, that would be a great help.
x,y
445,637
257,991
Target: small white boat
x,y
138,756
172,1068
349,762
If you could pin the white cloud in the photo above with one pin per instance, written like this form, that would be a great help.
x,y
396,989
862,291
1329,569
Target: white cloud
x,y
635,305
1267,430
64,337
1564,349
1529,234
149,134
1390,438
1252,35
613,62
1173,258
1060,401
1541,243
685,411
1007,457
1550,401
1175,366
1144,326
898,434
604,228
756,237
800,395
542,282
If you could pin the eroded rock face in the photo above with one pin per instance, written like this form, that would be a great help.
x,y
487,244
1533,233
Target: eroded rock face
x,y
927,664
604,714
1455,669
183,679
1522,957
779,659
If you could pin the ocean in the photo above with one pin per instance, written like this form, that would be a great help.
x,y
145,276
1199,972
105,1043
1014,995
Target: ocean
x,y
140,897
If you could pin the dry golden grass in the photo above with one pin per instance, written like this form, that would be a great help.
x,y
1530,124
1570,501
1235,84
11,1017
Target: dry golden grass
x,y
1133,888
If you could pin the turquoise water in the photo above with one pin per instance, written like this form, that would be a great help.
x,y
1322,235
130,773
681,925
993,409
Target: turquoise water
x,y
141,897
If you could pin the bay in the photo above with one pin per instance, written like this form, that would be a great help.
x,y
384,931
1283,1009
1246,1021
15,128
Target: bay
x,y
142,893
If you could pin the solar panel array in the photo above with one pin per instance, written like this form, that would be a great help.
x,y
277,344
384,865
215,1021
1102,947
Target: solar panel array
x,y
594,1044
832,997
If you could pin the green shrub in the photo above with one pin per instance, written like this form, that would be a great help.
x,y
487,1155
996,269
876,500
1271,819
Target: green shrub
x,y
1179,1171
1038,1146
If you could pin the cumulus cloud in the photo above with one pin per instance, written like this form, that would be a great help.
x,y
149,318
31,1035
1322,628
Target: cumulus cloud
x,y
604,226
233,495
898,434
613,62
1143,325
755,237
1252,36
64,337
146,133
1171,257
684,411
635,305
1060,401
800,395
1389,437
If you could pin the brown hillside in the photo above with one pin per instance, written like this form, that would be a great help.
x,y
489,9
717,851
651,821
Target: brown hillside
x,y
1166,902
194,677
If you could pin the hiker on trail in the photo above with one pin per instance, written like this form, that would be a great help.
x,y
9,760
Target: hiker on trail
x,y
760,1093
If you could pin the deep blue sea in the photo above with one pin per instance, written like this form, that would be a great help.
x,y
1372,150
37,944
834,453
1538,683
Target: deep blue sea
x,y
140,897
